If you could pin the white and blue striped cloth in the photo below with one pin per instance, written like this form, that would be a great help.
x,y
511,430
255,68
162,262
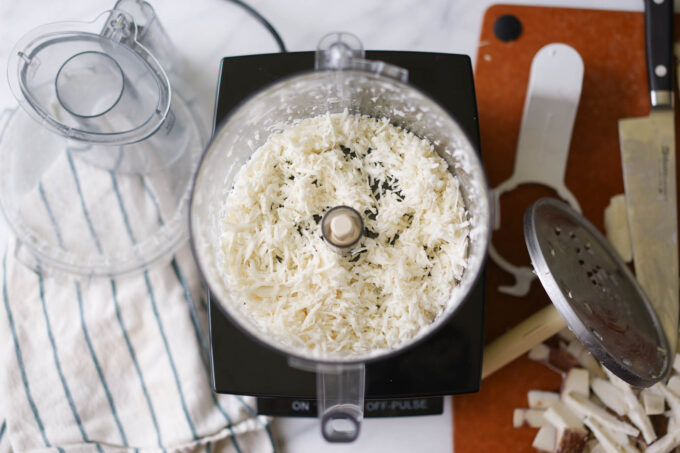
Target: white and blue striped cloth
x,y
110,364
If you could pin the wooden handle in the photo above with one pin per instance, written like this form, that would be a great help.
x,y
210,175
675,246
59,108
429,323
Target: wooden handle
x,y
538,327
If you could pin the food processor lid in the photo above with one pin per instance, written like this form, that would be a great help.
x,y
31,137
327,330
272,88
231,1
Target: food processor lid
x,y
596,293
91,82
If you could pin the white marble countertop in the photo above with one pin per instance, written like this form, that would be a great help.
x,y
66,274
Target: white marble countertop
x,y
204,31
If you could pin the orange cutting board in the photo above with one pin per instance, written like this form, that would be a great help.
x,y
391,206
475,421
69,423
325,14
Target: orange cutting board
x,y
611,44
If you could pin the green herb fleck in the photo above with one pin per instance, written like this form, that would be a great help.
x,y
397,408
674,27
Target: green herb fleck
x,y
370,233
370,214
349,154
356,257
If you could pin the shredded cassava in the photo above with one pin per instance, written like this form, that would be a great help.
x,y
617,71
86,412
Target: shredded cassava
x,y
395,282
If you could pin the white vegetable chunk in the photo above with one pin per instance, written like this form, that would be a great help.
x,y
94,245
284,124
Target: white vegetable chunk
x,y
539,353
636,413
573,347
545,439
591,364
666,443
672,399
616,226
655,389
535,418
676,363
532,417
587,409
539,399
518,418
584,357
607,441
577,381
674,384
610,395
653,402
563,418
614,379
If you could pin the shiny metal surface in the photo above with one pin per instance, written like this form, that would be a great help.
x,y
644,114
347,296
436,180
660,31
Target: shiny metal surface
x,y
661,98
596,294
648,159
338,241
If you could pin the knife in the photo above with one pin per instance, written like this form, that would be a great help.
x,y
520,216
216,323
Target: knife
x,y
648,158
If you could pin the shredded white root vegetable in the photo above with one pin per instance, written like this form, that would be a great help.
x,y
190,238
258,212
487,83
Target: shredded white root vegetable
x,y
401,275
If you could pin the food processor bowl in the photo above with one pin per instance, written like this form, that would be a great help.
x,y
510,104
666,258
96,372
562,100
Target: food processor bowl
x,y
343,81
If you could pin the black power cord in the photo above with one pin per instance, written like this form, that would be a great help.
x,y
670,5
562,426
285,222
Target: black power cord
x,y
263,21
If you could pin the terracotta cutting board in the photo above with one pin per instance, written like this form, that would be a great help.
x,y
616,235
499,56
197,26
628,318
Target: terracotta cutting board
x,y
611,44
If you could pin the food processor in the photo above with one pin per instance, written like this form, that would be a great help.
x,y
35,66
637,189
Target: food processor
x,y
344,80
100,154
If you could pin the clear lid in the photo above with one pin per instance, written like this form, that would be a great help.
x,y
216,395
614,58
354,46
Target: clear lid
x,y
91,81
596,294
98,163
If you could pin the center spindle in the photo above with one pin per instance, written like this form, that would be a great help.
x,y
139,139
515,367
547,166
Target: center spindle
x,y
342,227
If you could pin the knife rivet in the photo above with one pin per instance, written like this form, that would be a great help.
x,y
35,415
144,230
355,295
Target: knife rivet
x,y
660,71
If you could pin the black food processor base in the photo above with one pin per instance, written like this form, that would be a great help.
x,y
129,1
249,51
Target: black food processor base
x,y
411,383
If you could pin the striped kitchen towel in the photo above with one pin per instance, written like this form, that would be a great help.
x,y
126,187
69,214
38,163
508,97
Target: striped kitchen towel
x,y
110,364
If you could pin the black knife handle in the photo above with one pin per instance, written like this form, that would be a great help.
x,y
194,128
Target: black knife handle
x,y
659,47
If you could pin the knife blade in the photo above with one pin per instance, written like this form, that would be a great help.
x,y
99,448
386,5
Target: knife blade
x,y
648,159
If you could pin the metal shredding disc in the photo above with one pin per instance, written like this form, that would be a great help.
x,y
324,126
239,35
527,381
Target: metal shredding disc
x,y
595,293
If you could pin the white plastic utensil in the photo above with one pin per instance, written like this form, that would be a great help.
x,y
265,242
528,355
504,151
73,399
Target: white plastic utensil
x,y
544,138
